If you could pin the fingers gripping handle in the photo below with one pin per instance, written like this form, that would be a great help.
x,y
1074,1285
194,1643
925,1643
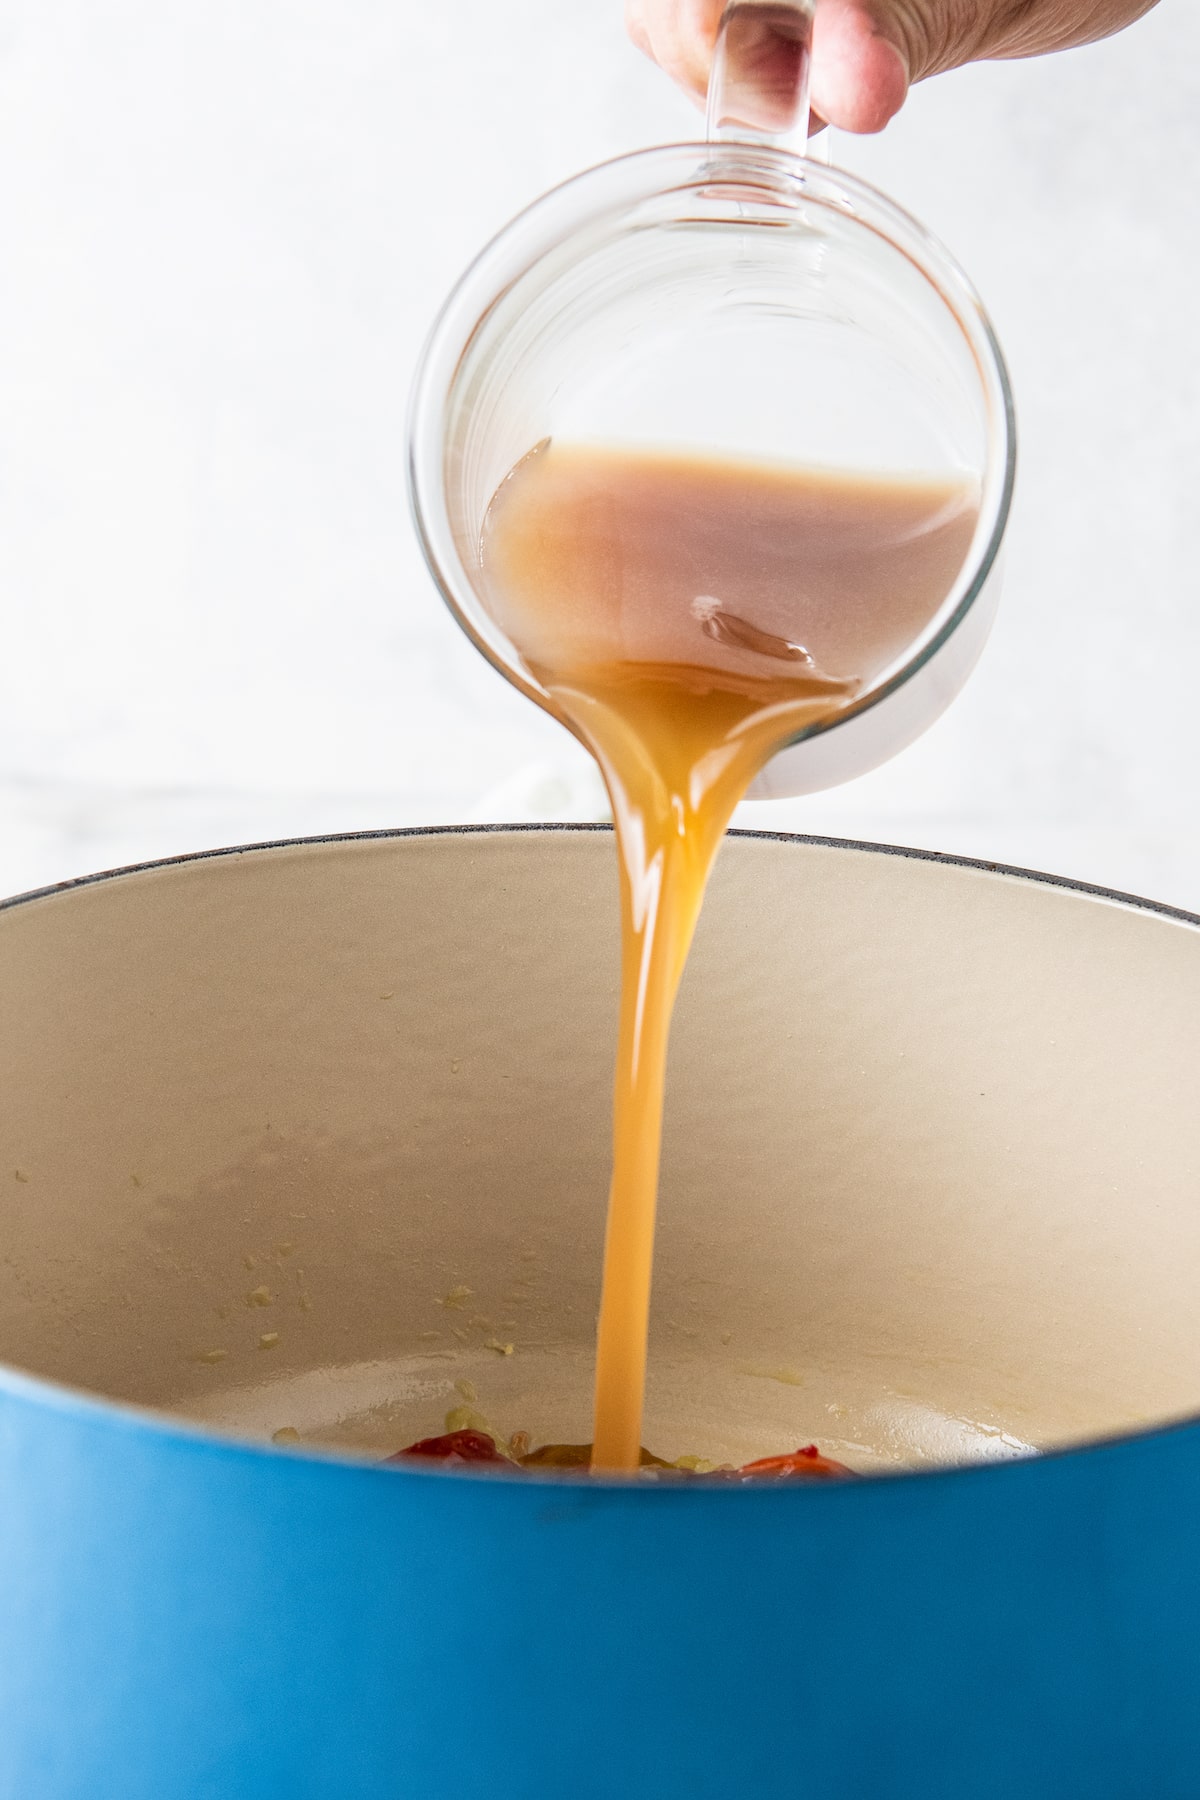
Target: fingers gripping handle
x,y
758,88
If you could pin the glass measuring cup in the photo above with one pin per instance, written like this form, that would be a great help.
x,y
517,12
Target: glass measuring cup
x,y
726,297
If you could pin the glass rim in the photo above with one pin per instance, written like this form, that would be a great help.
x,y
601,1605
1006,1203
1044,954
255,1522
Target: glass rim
x,y
616,186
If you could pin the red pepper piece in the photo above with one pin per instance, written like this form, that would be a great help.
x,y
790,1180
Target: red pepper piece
x,y
453,1446
806,1464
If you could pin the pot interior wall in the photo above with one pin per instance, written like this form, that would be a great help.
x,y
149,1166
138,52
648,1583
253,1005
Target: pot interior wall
x,y
304,1139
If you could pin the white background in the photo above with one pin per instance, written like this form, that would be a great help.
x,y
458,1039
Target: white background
x,y
224,228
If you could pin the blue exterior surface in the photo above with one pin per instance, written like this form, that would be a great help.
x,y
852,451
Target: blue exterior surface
x,y
187,1619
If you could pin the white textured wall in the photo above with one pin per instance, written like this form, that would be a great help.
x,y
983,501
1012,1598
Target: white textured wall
x,y
224,227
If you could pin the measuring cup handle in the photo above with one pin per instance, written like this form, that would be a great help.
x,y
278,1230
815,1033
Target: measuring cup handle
x,y
758,86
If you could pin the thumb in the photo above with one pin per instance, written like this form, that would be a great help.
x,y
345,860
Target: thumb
x,y
861,65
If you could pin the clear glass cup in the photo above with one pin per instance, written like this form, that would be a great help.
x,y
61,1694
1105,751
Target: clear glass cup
x,y
726,296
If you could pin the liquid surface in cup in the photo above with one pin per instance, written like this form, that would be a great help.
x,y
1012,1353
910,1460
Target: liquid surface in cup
x,y
687,617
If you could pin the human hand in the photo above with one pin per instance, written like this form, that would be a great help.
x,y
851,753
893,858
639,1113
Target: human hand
x,y
867,53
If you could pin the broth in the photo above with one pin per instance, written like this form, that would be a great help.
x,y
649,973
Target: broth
x,y
688,616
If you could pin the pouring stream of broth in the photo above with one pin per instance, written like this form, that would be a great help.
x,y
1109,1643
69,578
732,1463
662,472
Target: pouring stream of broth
x,y
688,616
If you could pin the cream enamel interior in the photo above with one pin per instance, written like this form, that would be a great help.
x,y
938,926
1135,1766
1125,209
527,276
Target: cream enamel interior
x,y
303,1137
